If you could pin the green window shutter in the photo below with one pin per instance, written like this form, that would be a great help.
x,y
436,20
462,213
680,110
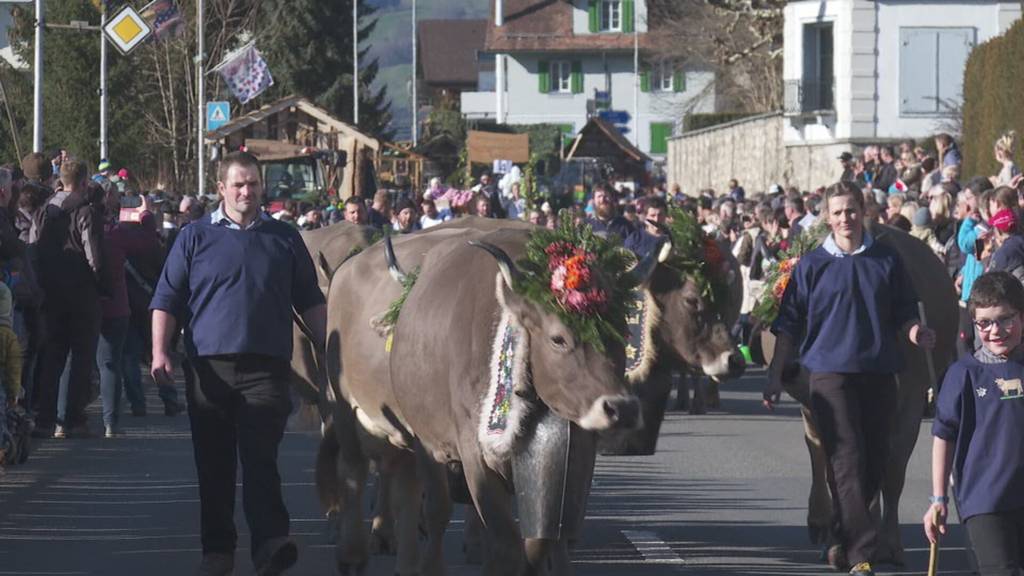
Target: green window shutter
x,y
577,77
544,74
594,13
660,133
679,81
628,16
645,80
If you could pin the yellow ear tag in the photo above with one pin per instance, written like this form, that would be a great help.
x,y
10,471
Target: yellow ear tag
x,y
388,342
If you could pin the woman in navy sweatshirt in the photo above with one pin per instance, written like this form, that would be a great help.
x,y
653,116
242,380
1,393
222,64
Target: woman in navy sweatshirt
x,y
979,417
847,304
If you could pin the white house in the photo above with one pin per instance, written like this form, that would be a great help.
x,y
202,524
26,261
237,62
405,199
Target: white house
x,y
6,23
563,61
860,71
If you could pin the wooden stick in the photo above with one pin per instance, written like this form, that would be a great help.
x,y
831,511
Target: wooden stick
x,y
933,553
923,318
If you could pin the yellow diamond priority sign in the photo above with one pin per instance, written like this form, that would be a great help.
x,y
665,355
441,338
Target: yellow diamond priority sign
x,y
127,30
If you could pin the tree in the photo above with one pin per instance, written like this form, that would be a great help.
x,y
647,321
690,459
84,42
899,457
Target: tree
x,y
308,47
740,40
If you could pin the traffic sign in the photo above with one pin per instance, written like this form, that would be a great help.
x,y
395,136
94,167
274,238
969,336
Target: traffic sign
x,y
127,30
614,116
217,114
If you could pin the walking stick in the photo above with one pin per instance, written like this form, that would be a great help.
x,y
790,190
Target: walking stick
x,y
933,554
922,317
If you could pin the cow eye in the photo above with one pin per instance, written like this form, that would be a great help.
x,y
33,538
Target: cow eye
x,y
558,342
692,302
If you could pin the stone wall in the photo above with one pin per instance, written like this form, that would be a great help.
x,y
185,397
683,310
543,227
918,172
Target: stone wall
x,y
751,151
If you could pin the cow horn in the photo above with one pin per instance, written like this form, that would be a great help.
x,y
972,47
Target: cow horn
x,y
508,269
389,255
645,267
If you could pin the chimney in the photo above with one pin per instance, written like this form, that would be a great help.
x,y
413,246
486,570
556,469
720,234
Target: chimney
x,y
499,13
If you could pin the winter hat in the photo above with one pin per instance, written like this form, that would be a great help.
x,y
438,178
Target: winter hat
x,y
123,174
898,187
6,305
104,165
36,166
1004,220
922,217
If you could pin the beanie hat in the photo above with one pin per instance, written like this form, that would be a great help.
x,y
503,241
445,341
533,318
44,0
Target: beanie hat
x,y
36,166
922,217
1004,220
104,165
123,174
6,305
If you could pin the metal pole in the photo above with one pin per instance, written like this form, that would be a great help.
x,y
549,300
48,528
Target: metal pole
x,y
37,94
103,86
499,67
355,62
201,84
636,82
415,98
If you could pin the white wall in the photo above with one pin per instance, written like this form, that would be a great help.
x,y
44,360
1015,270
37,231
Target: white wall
x,y
526,105
988,20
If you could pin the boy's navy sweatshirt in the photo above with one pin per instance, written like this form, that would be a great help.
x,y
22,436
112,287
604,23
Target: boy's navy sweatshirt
x,y
980,409
848,309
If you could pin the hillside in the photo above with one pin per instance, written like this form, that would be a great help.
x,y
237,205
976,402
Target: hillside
x,y
392,45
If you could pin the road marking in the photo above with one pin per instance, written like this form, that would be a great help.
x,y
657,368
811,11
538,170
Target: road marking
x,y
652,548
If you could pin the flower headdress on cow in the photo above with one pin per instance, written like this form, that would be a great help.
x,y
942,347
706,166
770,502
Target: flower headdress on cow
x,y
698,256
582,278
778,273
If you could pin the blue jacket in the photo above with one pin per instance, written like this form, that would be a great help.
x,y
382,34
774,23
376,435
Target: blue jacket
x,y
972,267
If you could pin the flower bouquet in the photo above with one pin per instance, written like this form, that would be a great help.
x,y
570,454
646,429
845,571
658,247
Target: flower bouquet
x,y
779,273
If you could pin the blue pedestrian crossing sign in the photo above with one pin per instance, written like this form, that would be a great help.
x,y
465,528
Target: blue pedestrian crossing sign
x,y
217,114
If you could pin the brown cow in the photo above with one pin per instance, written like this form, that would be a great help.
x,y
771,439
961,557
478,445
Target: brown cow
x,y
935,289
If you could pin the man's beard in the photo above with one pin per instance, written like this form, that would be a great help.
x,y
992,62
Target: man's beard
x,y
605,211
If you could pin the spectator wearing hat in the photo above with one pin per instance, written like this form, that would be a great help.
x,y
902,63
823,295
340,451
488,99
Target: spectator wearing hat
x,y
1009,256
406,221
921,228
846,161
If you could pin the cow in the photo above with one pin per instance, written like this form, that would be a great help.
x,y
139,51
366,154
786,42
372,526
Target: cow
x,y
428,401
331,245
685,331
935,290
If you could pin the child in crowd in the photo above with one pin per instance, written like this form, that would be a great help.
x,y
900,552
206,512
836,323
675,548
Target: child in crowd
x,y
979,418
10,367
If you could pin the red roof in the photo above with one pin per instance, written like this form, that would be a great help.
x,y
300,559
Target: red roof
x,y
546,26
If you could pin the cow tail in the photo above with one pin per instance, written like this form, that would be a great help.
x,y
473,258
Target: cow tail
x,y
328,485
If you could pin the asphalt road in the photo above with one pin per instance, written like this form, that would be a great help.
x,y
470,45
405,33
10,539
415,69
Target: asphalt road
x,y
725,495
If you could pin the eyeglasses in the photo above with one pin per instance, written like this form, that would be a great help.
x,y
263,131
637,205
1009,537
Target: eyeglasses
x,y
1004,323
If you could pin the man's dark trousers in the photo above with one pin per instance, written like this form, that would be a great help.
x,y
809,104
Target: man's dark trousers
x,y
73,327
238,406
854,414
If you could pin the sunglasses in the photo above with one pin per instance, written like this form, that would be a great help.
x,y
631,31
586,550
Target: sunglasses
x,y
1004,323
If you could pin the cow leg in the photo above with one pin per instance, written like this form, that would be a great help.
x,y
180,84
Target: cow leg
x,y
472,538
538,552
437,512
352,550
712,395
699,403
382,528
407,500
819,502
492,501
682,391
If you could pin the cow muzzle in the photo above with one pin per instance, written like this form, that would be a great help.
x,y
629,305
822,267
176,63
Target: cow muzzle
x,y
613,412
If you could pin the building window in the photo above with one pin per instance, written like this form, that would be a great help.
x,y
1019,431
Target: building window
x,y
561,77
932,62
663,76
814,91
611,16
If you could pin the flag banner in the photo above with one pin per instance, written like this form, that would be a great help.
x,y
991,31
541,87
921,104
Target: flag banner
x,y
246,73
164,18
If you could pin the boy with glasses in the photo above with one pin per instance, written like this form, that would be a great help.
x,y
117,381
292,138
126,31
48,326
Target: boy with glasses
x,y
979,416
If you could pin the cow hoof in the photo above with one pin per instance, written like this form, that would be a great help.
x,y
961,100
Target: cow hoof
x,y
382,544
890,557
836,557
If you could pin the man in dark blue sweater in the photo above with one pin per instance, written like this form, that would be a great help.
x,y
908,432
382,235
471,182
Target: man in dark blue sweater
x,y
232,281
848,302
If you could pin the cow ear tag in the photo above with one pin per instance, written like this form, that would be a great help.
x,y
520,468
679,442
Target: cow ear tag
x,y
388,342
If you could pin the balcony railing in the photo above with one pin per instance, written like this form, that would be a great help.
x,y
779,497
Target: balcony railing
x,y
808,96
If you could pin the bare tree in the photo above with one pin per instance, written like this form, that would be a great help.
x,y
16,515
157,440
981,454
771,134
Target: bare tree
x,y
740,40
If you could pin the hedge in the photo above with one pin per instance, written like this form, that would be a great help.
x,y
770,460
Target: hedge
x,y
993,100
